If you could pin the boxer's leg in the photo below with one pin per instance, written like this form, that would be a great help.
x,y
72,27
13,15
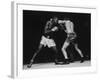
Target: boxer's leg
x,y
32,60
42,43
80,52
65,45
39,49
56,54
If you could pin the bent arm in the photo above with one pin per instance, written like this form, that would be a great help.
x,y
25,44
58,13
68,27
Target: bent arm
x,y
47,27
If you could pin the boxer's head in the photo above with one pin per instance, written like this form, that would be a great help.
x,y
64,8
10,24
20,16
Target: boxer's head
x,y
55,19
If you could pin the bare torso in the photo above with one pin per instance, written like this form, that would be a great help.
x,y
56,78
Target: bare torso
x,y
69,27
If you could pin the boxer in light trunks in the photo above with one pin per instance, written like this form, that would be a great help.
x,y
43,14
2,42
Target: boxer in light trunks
x,y
46,39
71,36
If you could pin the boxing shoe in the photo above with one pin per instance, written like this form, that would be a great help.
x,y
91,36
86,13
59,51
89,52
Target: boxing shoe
x,y
82,60
66,61
29,65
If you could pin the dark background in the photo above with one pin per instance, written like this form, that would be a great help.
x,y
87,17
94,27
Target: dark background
x,y
33,27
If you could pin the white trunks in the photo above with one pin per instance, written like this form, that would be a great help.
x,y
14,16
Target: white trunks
x,y
47,42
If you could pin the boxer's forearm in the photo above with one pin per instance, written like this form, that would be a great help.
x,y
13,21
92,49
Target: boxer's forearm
x,y
54,29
